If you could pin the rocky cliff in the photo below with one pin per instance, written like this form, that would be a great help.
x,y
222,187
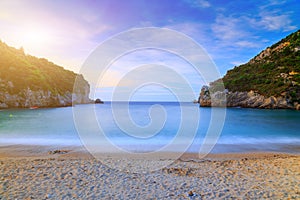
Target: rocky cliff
x,y
269,80
249,99
27,81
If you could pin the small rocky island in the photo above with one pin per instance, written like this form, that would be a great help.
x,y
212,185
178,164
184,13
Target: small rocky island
x,y
99,101
27,81
270,80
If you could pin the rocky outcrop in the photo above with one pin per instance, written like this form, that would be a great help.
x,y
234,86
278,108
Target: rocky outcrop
x,y
98,101
207,99
27,98
269,51
204,98
81,91
249,99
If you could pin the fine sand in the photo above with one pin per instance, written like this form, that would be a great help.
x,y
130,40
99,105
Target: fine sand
x,y
28,172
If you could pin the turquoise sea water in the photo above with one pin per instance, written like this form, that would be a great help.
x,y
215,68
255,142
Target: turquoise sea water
x,y
244,129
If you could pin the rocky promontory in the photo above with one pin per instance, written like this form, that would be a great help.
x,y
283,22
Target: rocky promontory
x,y
270,80
249,99
27,81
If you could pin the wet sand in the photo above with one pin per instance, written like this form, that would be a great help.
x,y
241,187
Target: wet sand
x,y
36,172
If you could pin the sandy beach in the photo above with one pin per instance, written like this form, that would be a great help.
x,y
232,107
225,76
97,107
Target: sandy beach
x,y
32,172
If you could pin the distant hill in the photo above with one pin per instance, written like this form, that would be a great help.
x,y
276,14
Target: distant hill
x,y
27,81
269,80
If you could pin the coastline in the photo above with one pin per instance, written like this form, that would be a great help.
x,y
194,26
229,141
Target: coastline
x,y
45,151
45,107
41,172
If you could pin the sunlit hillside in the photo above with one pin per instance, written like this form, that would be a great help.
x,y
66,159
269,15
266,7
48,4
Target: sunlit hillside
x,y
21,76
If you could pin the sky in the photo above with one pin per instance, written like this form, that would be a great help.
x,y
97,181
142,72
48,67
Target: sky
x,y
67,32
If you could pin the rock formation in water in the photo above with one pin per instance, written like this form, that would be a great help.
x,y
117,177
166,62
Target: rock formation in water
x,y
27,81
269,80
98,101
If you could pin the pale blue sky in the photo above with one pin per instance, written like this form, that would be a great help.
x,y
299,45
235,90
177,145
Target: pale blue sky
x,y
66,32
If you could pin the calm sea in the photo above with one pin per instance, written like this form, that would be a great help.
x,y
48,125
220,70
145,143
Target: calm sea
x,y
244,129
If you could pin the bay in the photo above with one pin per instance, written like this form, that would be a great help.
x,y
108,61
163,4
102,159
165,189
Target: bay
x,y
244,129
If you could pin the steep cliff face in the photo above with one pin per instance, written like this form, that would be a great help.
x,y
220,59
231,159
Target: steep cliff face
x,y
27,81
269,80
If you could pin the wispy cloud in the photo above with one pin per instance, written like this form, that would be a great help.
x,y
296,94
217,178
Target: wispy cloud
x,y
111,78
229,32
247,44
273,21
271,3
192,29
226,28
273,17
199,3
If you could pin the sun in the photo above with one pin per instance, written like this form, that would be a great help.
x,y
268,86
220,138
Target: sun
x,y
35,38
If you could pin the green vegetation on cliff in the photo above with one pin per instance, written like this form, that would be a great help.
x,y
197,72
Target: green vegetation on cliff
x,y
27,81
24,71
273,72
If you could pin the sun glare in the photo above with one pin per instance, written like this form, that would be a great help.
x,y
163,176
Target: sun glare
x,y
35,39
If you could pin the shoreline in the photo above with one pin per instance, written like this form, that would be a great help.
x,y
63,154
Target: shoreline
x,y
28,150
43,107
79,152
